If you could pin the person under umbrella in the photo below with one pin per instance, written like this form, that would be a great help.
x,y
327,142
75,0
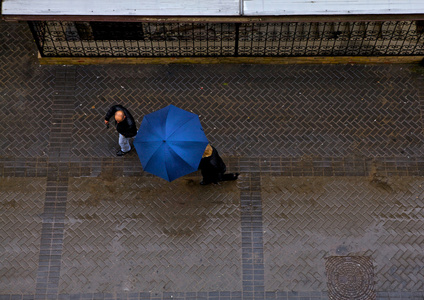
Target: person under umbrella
x,y
213,167
170,142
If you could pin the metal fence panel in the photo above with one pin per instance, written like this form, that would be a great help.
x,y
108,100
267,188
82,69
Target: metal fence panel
x,y
125,39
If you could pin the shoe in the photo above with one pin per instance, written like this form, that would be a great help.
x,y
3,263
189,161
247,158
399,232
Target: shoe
x,y
121,153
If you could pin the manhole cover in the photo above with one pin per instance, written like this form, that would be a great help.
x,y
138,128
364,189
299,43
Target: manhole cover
x,y
350,277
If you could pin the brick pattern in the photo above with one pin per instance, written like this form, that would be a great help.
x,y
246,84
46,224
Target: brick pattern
x,y
146,234
307,219
418,75
23,167
271,111
225,295
279,166
48,274
251,231
25,95
20,226
344,166
51,236
63,112
286,122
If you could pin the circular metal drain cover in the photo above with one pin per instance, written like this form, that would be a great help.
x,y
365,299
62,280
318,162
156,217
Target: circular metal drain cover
x,y
350,277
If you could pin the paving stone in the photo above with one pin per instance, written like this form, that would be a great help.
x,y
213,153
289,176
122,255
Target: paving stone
x,y
252,110
21,201
180,240
25,95
139,234
308,219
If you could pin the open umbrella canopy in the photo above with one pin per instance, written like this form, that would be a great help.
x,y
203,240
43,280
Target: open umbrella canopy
x,y
170,142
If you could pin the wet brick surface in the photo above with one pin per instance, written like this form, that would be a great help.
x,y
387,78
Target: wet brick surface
x,y
145,234
25,95
331,161
251,110
21,205
309,219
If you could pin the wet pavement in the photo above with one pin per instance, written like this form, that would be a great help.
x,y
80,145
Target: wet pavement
x,y
329,203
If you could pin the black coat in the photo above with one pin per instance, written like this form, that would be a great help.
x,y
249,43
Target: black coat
x,y
212,167
127,127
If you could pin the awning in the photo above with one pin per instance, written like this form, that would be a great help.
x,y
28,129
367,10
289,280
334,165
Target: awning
x,y
209,8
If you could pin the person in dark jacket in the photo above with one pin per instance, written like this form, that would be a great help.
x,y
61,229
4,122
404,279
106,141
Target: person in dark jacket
x,y
213,167
125,125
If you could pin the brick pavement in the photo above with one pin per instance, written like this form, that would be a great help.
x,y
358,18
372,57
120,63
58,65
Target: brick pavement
x,y
329,204
341,216
370,111
26,91
20,228
155,235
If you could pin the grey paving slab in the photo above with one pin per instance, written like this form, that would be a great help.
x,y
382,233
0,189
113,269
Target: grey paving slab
x,y
307,219
144,234
21,205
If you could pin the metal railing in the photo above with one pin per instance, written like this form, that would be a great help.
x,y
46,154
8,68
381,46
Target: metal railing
x,y
132,39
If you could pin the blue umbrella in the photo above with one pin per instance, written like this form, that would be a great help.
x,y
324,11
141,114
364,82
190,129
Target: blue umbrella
x,y
170,142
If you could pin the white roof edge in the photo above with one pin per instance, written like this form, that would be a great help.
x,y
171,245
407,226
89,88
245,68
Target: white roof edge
x,y
331,7
330,13
210,8
122,8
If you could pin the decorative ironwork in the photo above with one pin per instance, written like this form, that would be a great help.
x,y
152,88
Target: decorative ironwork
x,y
119,39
